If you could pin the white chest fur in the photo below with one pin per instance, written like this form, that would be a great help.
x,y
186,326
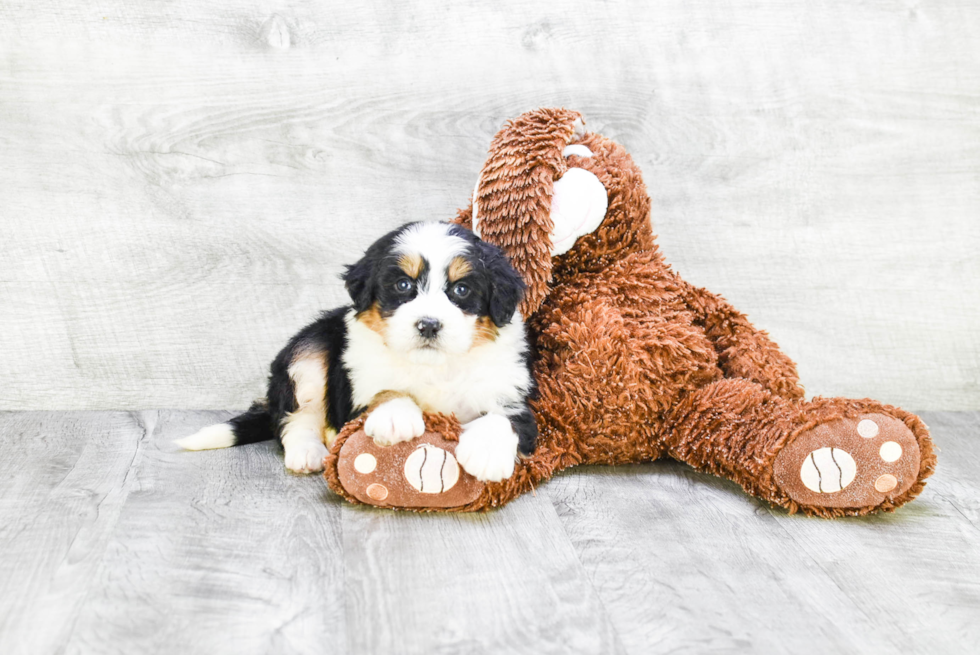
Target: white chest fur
x,y
491,377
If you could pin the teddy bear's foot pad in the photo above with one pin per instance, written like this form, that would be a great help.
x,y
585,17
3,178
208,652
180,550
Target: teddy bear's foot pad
x,y
849,463
419,474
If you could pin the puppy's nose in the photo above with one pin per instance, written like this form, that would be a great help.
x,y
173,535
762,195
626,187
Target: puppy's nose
x,y
428,327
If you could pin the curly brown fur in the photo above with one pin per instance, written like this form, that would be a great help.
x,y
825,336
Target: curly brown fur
x,y
633,363
735,429
524,192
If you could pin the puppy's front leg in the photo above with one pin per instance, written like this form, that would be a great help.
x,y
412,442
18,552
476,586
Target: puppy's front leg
x,y
487,448
304,450
393,417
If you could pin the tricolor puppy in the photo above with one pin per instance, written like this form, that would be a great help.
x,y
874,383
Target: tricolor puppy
x,y
433,327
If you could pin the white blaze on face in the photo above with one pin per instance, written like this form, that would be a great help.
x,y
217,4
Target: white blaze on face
x,y
578,204
438,248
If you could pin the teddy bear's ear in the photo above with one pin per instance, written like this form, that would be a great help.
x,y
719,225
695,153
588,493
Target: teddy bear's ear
x,y
512,201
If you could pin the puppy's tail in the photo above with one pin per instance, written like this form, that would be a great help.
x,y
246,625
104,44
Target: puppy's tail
x,y
250,427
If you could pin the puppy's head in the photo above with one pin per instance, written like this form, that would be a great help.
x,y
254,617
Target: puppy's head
x,y
434,290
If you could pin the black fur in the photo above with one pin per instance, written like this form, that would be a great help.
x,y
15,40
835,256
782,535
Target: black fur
x,y
523,422
527,430
254,425
362,279
388,274
328,335
507,287
494,289
499,288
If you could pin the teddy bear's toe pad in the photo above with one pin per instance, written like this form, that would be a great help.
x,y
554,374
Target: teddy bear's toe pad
x,y
849,463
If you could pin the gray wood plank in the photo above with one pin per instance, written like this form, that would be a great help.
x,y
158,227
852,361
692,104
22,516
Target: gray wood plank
x,y
957,437
63,481
113,541
217,552
183,182
504,582
685,563
916,572
724,573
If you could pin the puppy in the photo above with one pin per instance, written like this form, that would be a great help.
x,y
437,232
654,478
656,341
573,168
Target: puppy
x,y
433,327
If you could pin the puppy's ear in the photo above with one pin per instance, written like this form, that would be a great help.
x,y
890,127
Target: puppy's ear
x,y
506,286
357,280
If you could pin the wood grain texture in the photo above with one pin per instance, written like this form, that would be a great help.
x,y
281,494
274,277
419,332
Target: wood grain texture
x,y
114,541
63,482
225,553
182,182
724,573
504,582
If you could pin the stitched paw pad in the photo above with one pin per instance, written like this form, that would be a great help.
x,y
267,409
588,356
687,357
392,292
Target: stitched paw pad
x,y
420,474
849,463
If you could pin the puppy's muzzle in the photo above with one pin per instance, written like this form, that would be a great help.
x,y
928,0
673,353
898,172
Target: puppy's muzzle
x,y
428,327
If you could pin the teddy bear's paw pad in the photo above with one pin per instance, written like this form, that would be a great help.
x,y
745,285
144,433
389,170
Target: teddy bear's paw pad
x,y
431,470
418,474
849,463
828,470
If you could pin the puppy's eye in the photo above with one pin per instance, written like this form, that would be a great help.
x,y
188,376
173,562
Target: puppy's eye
x,y
403,285
461,290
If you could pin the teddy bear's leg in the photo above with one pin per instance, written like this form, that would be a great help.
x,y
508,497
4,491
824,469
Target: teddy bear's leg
x,y
828,457
743,350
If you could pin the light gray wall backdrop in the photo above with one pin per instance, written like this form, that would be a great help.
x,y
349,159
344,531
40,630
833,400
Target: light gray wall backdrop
x,y
181,182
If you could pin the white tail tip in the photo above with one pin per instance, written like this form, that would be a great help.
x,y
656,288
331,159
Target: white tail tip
x,y
213,436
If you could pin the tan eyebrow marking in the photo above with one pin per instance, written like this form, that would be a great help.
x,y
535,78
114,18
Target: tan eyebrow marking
x,y
411,264
458,268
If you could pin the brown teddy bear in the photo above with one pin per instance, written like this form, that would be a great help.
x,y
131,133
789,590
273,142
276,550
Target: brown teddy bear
x,y
632,362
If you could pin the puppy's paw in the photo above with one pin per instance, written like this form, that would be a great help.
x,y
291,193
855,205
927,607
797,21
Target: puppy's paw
x,y
487,448
395,421
305,456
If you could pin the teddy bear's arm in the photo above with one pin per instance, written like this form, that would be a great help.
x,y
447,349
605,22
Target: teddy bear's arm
x,y
743,350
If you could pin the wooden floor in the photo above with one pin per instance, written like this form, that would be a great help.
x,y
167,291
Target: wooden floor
x,y
114,541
